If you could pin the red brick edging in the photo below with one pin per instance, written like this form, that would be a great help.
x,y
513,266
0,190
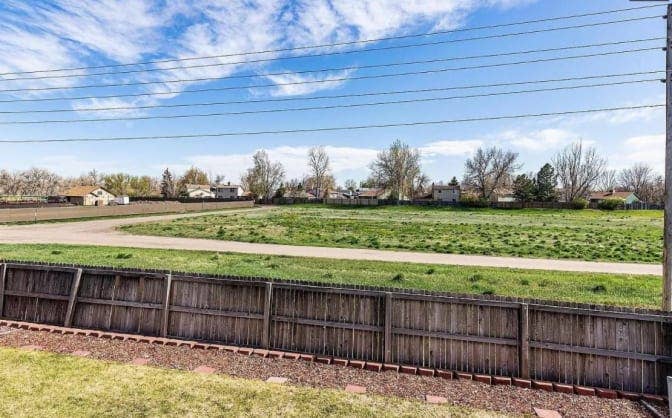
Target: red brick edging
x,y
370,366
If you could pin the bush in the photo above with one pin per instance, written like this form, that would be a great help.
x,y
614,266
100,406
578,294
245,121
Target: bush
x,y
472,201
610,204
579,203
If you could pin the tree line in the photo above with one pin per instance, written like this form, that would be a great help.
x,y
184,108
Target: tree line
x,y
571,174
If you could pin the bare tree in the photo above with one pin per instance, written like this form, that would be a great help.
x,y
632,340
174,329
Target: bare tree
x,y
638,179
657,190
351,185
489,170
11,182
421,185
318,163
608,180
578,170
397,168
264,177
328,182
39,182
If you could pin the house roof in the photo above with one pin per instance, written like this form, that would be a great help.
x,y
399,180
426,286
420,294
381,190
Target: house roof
x,y
610,194
445,187
226,186
194,187
371,193
80,191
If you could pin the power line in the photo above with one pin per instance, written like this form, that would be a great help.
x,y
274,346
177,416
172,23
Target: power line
x,y
344,43
213,89
327,129
337,96
341,106
468,57
341,78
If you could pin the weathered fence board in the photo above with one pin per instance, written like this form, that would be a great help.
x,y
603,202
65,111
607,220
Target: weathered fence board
x,y
614,348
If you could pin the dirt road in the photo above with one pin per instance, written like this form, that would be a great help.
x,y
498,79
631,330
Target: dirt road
x,y
102,232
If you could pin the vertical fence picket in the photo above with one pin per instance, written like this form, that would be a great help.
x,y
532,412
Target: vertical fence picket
x,y
3,279
166,305
74,289
524,341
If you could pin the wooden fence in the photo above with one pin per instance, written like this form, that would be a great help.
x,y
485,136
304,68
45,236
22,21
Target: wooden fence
x,y
617,348
51,213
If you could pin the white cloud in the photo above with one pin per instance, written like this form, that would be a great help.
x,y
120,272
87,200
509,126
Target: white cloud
x,y
67,33
539,140
287,84
451,148
73,165
344,160
648,149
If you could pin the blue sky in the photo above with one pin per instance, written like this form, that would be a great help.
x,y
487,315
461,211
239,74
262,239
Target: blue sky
x,y
68,33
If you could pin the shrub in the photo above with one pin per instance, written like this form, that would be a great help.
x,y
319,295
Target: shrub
x,y
610,204
398,277
472,201
600,288
474,278
579,203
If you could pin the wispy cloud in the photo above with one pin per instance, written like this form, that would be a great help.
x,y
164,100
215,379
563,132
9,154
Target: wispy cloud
x,y
67,33
539,140
451,148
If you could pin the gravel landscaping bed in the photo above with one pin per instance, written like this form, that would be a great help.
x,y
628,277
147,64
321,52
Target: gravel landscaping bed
x,y
505,399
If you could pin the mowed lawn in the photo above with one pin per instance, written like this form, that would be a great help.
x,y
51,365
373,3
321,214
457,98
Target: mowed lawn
x,y
627,236
612,289
36,384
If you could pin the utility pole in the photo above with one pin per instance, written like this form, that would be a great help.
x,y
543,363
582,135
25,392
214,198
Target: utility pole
x,y
667,253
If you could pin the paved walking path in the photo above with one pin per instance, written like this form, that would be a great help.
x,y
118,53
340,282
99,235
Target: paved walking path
x,y
102,232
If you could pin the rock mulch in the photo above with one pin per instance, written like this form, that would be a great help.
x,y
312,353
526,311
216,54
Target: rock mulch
x,y
466,393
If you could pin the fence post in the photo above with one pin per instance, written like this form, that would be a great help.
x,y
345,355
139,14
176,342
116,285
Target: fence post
x,y
524,341
3,279
166,305
74,289
266,332
387,339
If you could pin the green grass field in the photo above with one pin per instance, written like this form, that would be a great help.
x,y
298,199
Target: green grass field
x,y
36,384
623,290
627,236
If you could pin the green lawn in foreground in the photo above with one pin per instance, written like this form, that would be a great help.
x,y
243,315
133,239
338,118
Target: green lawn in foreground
x,y
624,290
36,384
628,236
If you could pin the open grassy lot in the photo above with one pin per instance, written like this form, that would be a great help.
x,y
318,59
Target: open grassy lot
x,y
38,384
628,236
623,290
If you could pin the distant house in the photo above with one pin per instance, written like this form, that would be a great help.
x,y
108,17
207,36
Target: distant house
x,y
628,197
504,195
227,191
89,196
372,194
446,193
199,191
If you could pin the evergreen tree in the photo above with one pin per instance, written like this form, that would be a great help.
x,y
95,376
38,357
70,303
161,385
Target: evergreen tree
x,y
167,184
545,183
454,182
523,188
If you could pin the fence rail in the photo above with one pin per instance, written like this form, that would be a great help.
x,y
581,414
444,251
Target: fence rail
x,y
50,213
617,348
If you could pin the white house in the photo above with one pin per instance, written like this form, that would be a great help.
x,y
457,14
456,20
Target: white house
x,y
446,193
89,196
227,191
199,191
